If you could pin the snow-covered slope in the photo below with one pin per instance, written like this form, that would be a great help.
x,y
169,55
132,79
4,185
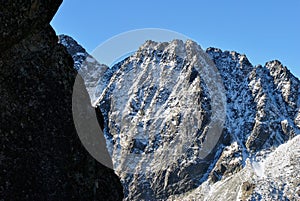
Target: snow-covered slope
x,y
96,76
158,101
276,177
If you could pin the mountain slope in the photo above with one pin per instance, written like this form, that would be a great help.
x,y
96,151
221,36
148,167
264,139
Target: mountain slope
x,y
157,107
274,178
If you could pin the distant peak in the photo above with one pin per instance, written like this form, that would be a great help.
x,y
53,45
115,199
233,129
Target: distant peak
x,y
174,47
161,45
218,54
273,63
213,49
66,38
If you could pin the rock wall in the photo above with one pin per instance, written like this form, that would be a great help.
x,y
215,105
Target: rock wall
x,y
41,156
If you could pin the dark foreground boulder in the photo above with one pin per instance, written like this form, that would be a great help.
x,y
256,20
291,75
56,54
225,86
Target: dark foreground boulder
x,y
41,156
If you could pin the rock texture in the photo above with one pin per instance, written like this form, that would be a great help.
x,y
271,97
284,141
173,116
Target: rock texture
x,y
77,52
41,156
276,177
157,112
147,102
96,75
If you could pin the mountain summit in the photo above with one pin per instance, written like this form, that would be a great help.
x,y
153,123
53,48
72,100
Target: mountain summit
x,y
158,105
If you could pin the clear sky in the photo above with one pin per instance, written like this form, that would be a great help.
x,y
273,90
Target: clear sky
x,y
264,30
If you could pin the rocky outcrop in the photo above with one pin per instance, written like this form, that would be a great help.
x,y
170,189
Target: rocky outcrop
x,y
41,156
273,178
77,52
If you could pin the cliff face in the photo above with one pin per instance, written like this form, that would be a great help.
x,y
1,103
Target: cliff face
x,y
157,110
158,102
41,156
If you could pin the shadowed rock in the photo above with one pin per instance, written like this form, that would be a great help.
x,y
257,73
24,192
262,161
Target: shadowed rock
x,y
41,156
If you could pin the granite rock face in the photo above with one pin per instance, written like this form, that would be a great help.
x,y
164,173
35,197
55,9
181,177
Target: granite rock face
x,y
41,156
158,90
18,19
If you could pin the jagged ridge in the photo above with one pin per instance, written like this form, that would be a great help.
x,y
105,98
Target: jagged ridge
x,y
141,95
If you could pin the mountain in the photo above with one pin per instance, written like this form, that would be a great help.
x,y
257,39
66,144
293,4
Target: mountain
x,y
162,105
276,177
96,76
41,156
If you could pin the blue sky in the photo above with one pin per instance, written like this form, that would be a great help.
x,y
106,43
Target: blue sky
x,y
263,30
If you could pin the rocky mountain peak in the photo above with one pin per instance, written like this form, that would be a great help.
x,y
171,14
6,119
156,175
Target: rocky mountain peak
x,y
158,97
175,47
241,61
78,53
